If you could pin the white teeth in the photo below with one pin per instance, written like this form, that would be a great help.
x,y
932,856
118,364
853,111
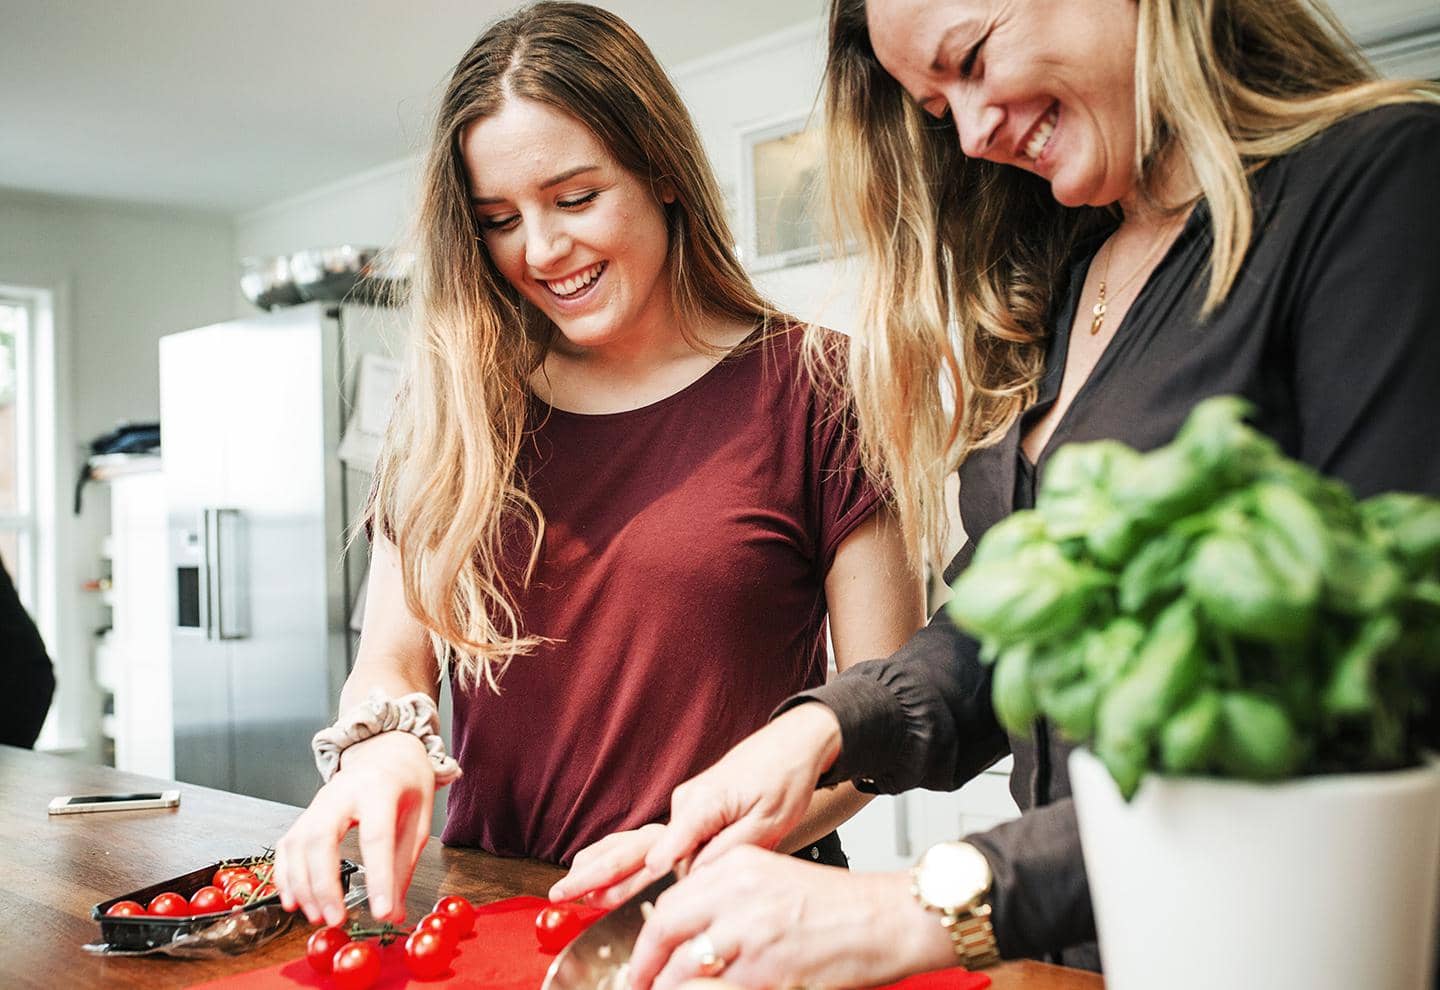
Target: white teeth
x,y
1041,137
575,283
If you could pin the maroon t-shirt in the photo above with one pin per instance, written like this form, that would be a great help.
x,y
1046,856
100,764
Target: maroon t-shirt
x,y
682,580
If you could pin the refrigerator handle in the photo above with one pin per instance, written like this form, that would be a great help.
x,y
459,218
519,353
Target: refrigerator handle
x,y
220,564
207,575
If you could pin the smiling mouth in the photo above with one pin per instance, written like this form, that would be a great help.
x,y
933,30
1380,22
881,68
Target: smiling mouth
x,y
1039,136
575,285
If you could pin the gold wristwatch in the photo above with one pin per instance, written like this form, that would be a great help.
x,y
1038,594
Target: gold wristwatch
x,y
953,880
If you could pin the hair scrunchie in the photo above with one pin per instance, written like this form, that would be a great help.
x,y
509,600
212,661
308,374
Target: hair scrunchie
x,y
414,713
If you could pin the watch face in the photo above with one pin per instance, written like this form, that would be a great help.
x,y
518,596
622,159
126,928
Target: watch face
x,y
952,875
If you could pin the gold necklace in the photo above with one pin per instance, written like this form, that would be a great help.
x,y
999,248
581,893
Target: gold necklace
x,y
1097,312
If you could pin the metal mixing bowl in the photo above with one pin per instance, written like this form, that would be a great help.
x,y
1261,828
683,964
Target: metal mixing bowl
x,y
343,273
268,283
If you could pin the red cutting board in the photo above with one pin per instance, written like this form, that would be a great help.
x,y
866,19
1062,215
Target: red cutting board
x,y
502,954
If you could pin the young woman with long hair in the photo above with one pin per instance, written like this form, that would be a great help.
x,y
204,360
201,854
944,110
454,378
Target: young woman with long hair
x,y
611,505
1080,218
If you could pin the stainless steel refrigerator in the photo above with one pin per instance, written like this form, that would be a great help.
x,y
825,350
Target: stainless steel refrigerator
x,y
251,413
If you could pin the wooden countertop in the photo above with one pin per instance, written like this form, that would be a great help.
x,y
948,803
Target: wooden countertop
x,y
54,869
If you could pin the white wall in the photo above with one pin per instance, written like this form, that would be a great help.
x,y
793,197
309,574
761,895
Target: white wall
x,y
771,79
125,276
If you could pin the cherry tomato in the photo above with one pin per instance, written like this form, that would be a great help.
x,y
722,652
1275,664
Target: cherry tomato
x,y
556,925
427,954
240,889
208,900
264,890
461,910
124,909
443,925
169,905
324,943
225,874
356,966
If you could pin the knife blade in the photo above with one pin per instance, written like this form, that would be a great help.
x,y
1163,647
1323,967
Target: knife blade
x,y
600,954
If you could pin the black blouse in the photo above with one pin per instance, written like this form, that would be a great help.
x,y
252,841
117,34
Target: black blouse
x,y
1332,330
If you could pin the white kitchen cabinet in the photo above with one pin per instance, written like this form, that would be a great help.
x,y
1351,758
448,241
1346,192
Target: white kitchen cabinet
x,y
133,661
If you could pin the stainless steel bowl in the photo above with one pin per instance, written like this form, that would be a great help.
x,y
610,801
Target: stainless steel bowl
x,y
268,283
347,273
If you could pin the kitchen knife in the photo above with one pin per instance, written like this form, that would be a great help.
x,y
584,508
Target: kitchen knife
x,y
599,955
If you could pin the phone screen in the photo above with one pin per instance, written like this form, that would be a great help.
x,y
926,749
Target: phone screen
x,y
108,798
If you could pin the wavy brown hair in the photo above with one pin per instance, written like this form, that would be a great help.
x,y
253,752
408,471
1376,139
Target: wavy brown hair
x,y
961,254
447,490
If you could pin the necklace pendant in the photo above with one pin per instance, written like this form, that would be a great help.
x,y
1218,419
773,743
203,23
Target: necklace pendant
x,y
1098,311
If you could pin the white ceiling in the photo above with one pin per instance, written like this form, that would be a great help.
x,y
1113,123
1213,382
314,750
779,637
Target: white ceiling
x,y
228,105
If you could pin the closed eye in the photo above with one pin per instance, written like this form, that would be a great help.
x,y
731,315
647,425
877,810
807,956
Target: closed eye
x,y
499,223
967,64
571,204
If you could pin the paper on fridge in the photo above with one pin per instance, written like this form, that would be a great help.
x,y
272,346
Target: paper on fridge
x,y
375,390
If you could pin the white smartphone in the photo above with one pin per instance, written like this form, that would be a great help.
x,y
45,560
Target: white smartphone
x,y
73,804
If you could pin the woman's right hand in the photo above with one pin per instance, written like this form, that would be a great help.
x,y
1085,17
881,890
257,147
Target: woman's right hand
x,y
386,786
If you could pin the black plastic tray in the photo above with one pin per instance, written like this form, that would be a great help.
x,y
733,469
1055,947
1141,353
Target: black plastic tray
x,y
149,931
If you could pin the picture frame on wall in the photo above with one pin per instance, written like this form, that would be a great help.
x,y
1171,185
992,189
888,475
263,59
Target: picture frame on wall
x,y
781,216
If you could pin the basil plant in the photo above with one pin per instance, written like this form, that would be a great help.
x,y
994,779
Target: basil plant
x,y
1211,607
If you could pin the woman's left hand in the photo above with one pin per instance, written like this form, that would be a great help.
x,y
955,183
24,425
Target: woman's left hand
x,y
605,873
773,920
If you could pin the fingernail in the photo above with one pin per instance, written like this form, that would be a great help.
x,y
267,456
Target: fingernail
x,y
379,906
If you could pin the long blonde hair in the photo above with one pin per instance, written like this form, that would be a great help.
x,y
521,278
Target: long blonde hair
x,y
961,255
447,490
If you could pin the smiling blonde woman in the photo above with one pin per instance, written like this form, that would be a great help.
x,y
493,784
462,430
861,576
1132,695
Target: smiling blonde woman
x,y
611,505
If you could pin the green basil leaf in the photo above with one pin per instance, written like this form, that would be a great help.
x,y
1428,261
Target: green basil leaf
x,y
1126,761
1009,536
1010,691
1217,440
1351,688
1410,524
1187,740
1070,707
1237,588
1156,571
1036,592
1257,740
1361,579
1111,651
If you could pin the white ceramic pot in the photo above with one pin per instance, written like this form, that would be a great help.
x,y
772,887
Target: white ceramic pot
x,y
1312,884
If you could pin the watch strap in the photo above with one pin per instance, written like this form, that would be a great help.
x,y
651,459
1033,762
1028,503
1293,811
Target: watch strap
x,y
972,936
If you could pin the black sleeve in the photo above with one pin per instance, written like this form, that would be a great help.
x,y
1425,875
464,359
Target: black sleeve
x,y
1364,310
1040,898
29,676
919,718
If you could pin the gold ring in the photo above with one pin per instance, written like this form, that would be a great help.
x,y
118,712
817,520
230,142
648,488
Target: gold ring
x,y
707,958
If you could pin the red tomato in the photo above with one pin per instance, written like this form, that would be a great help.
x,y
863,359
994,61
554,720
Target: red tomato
x,y
264,890
460,910
427,954
208,900
225,874
238,890
556,925
443,925
123,909
169,905
324,943
356,966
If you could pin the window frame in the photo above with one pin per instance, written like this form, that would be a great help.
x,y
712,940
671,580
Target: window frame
x,y
37,519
